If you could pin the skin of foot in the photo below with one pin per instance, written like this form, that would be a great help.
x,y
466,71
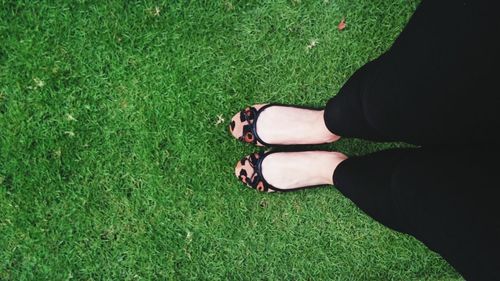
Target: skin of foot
x,y
288,170
287,125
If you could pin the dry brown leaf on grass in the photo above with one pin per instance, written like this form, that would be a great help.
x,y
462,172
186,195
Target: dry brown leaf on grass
x,y
342,24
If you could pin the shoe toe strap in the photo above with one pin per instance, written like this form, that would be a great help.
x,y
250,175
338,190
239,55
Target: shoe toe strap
x,y
251,114
256,180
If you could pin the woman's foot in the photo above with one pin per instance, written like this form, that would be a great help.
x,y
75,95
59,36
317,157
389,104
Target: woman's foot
x,y
282,171
281,125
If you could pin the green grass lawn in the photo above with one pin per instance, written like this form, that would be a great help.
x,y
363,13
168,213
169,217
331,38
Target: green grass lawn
x,y
114,164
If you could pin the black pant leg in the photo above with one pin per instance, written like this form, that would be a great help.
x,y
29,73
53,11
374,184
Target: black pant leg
x,y
447,197
344,114
437,84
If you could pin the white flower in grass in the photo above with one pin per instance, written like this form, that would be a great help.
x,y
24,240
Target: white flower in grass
x,y
220,119
70,117
312,44
38,82
70,133
156,11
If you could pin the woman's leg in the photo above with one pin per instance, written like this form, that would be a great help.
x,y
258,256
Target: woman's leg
x,y
437,84
447,197
345,115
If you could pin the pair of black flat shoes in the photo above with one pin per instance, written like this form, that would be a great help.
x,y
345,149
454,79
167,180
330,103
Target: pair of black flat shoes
x,y
249,168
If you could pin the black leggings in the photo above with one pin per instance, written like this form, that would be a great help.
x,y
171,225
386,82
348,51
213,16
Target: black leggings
x,y
437,88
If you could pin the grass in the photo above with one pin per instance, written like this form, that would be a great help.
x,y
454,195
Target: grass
x,y
113,165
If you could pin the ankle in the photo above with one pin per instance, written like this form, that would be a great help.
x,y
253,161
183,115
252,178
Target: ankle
x,y
329,163
323,129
